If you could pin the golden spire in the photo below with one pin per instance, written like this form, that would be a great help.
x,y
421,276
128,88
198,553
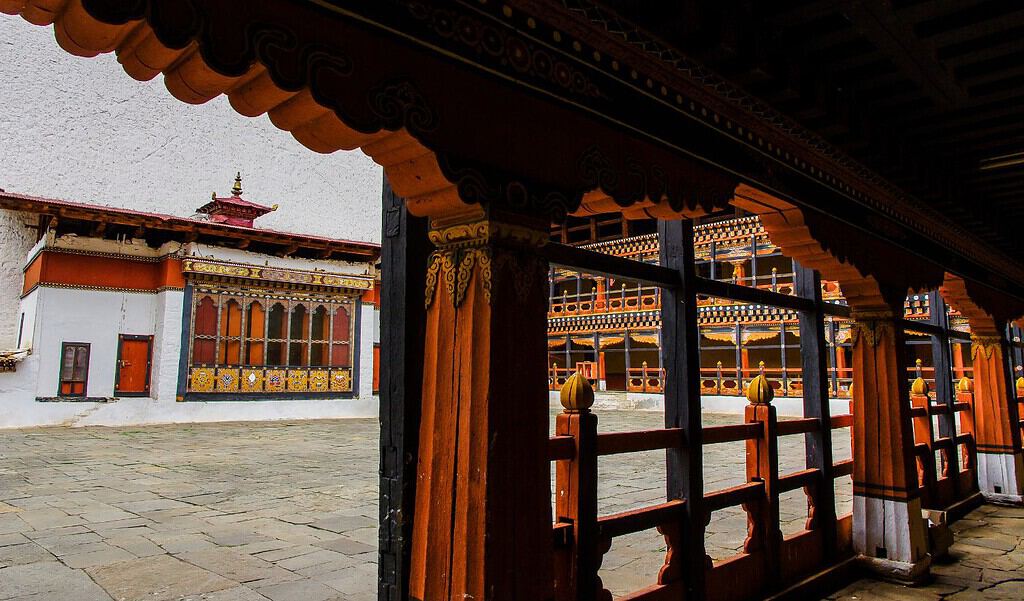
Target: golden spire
x,y
236,190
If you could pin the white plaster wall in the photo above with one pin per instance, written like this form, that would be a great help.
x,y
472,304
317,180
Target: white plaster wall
x,y
81,129
28,329
366,350
15,242
92,316
167,345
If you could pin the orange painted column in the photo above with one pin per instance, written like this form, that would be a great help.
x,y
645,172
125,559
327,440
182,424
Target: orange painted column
x,y
482,526
998,441
888,530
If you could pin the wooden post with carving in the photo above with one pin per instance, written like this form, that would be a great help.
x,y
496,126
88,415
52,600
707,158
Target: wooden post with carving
x,y
483,496
888,531
763,534
576,494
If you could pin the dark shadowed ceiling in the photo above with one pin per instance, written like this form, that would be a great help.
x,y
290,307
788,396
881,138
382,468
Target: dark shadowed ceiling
x,y
929,93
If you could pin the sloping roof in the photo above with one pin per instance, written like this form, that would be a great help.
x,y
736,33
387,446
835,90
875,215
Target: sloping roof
x,y
159,227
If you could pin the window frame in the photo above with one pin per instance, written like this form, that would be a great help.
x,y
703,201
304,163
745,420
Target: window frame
x,y
60,369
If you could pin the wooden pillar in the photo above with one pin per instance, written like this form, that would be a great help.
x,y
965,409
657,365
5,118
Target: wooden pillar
x,y
685,470
483,496
888,530
998,439
404,253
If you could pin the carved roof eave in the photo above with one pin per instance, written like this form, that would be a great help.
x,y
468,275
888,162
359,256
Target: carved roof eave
x,y
393,104
188,229
275,277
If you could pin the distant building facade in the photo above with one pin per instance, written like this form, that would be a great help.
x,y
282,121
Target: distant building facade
x,y
128,317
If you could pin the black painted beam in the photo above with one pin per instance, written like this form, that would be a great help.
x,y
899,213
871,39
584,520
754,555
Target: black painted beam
x,y
404,253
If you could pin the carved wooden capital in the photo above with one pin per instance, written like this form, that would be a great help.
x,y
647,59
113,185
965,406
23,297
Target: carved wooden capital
x,y
871,327
475,249
987,345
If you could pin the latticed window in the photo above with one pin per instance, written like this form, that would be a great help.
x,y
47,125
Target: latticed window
x,y
236,330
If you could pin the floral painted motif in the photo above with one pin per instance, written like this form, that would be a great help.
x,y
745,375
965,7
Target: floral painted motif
x,y
227,380
318,380
275,379
202,379
341,380
298,380
252,380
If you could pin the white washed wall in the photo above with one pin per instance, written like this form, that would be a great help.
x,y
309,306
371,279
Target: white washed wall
x,y
15,242
93,316
81,129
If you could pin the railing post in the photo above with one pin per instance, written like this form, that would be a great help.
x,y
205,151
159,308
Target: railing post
x,y
923,435
968,455
576,495
818,444
680,338
718,369
763,534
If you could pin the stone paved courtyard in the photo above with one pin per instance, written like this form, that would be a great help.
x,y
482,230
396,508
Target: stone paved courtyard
x,y
287,511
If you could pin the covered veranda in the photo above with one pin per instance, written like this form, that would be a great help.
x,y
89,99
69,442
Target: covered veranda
x,y
492,120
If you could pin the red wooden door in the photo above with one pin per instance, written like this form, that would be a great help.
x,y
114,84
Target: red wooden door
x,y
133,365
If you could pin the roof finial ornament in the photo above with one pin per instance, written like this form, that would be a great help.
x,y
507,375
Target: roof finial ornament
x,y
236,190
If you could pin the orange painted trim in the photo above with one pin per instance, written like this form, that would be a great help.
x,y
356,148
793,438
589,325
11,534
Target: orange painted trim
x,y
33,274
372,296
102,272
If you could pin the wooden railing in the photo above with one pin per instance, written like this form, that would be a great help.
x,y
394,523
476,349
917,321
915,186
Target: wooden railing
x,y
951,479
645,379
728,381
640,298
768,561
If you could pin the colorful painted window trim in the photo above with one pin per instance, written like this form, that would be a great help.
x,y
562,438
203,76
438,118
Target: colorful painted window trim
x,y
272,343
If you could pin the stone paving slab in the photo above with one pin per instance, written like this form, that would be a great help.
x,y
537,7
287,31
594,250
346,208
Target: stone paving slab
x,y
287,511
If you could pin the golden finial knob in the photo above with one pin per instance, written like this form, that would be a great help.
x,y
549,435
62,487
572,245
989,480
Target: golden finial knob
x,y
236,190
965,385
577,393
1020,386
760,391
919,387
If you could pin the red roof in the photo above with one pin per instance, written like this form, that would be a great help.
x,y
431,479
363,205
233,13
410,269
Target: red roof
x,y
116,216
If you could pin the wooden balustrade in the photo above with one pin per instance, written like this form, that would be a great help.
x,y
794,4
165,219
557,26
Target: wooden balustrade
x,y
786,382
645,379
948,483
640,298
768,562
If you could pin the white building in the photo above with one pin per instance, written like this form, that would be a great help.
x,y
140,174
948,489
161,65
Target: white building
x,y
132,317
